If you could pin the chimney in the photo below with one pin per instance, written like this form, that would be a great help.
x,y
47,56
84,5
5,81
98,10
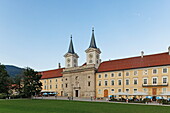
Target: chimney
x,y
59,66
142,54
169,50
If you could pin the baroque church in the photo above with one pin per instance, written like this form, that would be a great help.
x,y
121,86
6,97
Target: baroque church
x,y
79,81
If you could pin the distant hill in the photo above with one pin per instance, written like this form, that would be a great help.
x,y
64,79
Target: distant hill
x,y
13,70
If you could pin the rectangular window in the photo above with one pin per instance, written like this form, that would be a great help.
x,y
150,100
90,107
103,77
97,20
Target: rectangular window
x,y
145,90
127,90
55,86
112,82
119,90
164,80
135,90
66,85
165,70
154,71
45,87
100,83
127,73
50,86
127,81
105,75
154,80
89,83
105,83
135,81
100,76
135,72
163,90
99,91
112,91
145,81
112,75
50,81
119,82
119,74
45,81
56,80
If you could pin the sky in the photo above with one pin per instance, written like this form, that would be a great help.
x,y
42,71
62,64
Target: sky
x,y
36,33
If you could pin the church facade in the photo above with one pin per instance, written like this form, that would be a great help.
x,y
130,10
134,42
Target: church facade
x,y
144,75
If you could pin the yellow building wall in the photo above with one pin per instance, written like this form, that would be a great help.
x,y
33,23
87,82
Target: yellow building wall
x,y
140,76
53,85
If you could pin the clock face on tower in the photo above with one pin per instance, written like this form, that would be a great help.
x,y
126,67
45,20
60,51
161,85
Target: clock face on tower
x,y
68,60
90,56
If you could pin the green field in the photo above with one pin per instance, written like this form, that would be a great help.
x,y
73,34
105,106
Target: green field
x,y
63,106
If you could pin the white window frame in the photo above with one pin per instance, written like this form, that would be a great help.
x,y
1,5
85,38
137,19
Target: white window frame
x,y
163,90
126,73
134,90
166,80
145,91
128,89
112,92
134,80
100,76
111,82
144,82
105,75
99,91
163,69
156,80
120,74
118,90
118,82
113,75
156,71
129,81
146,72
99,82
105,82
136,72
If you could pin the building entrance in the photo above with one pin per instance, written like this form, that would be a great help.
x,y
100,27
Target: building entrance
x,y
105,93
154,90
76,93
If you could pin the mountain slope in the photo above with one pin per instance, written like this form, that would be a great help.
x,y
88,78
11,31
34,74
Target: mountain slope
x,y
13,70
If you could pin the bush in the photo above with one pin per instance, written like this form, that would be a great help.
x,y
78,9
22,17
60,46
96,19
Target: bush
x,y
3,95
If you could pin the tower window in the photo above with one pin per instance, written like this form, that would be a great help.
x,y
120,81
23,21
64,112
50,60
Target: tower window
x,y
89,83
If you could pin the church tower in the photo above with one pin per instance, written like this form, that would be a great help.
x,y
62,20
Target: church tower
x,y
93,53
71,58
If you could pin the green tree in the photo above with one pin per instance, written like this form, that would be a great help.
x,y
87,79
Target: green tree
x,y
4,80
32,84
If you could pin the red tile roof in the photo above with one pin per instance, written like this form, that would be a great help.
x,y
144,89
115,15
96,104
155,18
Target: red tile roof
x,y
52,73
135,62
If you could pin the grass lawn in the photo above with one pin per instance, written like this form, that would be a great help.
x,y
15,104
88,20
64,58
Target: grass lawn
x,y
63,106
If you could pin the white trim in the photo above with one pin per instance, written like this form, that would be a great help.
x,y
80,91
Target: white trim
x,y
107,83
127,72
166,80
125,81
120,89
134,82
111,82
118,82
134,91
99,81
113,75
146,72
143,81
126,91
156,80
156,71
163,69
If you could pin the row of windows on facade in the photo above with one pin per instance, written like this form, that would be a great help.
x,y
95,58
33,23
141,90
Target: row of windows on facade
x,y
145,72
135,90
62,79
135,81
66,85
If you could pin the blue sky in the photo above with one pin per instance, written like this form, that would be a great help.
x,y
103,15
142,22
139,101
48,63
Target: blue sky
x,y
36,33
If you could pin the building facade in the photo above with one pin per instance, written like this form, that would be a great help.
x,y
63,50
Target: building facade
x,y
149,74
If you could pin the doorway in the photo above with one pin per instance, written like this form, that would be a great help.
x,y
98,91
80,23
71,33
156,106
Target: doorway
x,y
105,93
154,90
77,93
